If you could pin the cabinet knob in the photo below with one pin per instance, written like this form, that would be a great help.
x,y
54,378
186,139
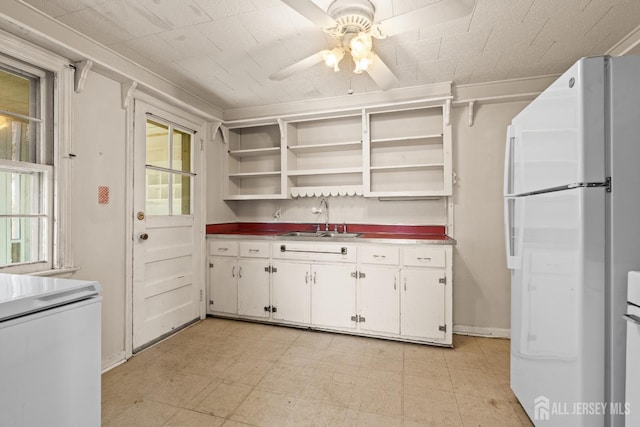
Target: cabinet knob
x,y
143,236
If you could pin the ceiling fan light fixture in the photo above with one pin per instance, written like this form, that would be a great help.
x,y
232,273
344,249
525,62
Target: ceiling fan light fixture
x,y
333,57
362,64
360,45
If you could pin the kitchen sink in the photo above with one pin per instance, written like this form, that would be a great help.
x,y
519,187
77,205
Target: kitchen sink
x,y
336,234
320,234
303,234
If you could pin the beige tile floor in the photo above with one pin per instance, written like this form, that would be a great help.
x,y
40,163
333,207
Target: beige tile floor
x,y
231,373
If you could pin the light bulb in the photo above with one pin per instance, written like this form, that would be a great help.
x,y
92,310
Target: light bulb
x,y
333,58
330,59
362,64
360,45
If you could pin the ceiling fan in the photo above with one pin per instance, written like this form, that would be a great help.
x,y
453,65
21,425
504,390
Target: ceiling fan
x,y
351,23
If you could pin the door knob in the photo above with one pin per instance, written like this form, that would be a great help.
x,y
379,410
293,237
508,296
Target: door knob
x,y
143,236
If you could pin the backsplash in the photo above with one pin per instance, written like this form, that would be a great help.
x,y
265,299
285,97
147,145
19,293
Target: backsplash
x,y
355,210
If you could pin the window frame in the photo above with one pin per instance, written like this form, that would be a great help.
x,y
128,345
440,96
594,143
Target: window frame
x,y
56,76
170,170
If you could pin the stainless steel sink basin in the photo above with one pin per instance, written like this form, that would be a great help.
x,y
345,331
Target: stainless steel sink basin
x,y
303,234
336,234
320,234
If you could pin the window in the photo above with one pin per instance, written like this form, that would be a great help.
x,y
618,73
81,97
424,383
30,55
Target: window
x,y
26,169
168,169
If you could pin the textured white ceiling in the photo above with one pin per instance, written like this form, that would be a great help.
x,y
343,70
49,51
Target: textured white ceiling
x,y
224,50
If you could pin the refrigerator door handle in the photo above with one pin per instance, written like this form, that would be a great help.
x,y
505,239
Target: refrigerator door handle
x,y
632,318
508,161
513,261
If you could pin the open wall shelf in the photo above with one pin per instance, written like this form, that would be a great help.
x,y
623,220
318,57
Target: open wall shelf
x,y
379,153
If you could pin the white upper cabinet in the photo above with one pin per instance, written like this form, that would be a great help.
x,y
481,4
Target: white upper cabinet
x,y
408,153
324,156
254,166
375,152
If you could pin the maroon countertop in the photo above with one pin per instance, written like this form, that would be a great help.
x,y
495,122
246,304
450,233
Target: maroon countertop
x,y
369,231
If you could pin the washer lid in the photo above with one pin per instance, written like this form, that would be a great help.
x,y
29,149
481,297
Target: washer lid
x,y
21,295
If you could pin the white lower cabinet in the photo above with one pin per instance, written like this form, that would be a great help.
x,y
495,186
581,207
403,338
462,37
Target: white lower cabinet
x,y
223,285
422,304
379,299
291,292
253,287
398,291
318,294
333,295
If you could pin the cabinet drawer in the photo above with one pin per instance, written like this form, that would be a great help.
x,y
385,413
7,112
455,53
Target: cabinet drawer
x,y
378,255
223,248
254,249
424,256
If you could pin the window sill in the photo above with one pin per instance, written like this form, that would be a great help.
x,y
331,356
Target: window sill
x,y
56,272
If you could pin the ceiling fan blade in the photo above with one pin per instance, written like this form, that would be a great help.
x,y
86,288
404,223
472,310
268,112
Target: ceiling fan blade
x,y
312,12
436,13
381,74
299,66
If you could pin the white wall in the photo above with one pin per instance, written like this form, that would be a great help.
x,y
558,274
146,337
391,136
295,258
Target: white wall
x,y
98,231
481,293
217,211
357,210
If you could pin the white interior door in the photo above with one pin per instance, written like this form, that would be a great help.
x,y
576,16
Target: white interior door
x,y
167,284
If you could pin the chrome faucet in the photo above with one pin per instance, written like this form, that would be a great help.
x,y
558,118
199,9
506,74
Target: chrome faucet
x,y
326,213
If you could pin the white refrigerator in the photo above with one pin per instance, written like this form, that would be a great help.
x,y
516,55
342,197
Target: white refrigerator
x,y
572,226
49,352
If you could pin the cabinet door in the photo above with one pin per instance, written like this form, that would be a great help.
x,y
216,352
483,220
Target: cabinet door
x,y
291,292
253,287
333,295
379,299
223,289
422,308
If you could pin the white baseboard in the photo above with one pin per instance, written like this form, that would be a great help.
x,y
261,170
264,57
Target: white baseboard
x,y
481,332
114,360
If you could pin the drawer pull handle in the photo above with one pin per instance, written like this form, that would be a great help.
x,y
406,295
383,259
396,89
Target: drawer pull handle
x,y
379,256
233,272
306,277
424,259
223,249
405,284
240,273
254,251
395,283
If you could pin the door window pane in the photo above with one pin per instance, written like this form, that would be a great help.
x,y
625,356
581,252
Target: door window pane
x,y
182,195
157,193
181,151
169,176
157,144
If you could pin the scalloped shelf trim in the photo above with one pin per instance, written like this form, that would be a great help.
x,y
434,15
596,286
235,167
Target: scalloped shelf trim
x,y
342,190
